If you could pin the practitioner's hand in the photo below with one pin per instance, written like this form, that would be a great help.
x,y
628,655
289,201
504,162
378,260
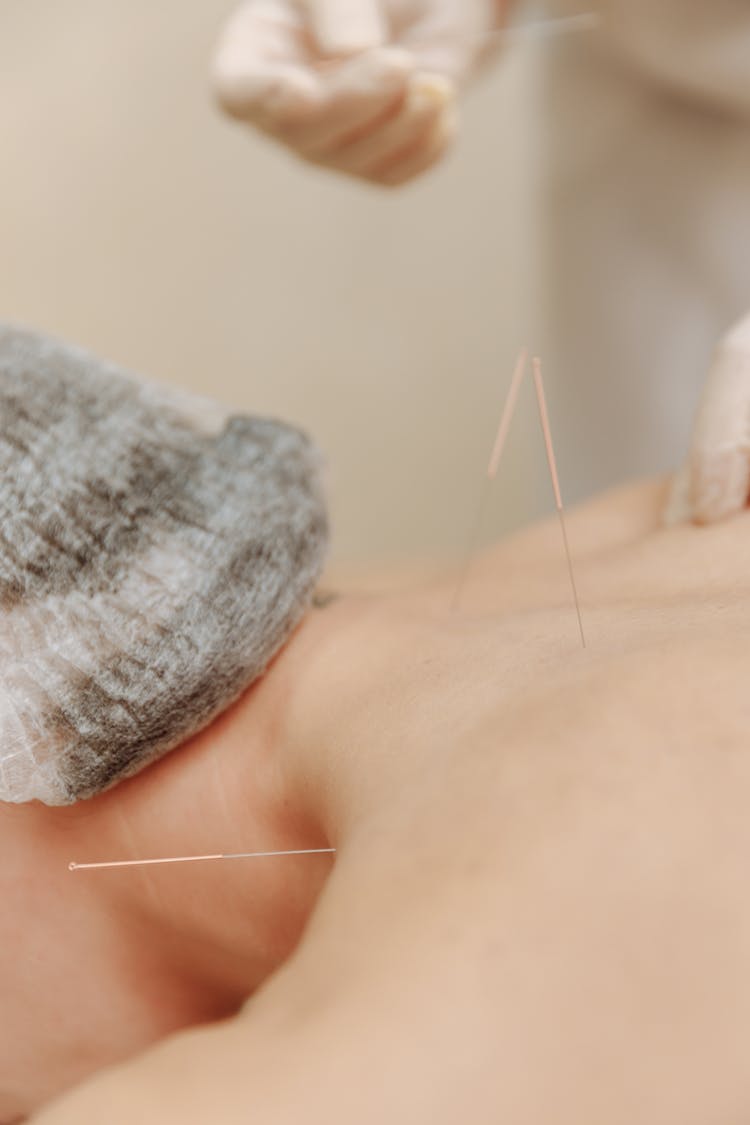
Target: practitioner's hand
x,y
715,482
365,87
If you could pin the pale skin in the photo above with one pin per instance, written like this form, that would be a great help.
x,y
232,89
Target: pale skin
x,y
538,910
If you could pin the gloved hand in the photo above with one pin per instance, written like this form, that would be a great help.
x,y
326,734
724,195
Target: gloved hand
x,y
715,482
362,86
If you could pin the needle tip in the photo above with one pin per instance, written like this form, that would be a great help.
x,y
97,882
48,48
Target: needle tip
x,y
72,866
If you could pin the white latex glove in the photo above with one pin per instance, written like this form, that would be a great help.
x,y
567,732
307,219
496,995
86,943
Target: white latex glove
x,y
366,87
715,482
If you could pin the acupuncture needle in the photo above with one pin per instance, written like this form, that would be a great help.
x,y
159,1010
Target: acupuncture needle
x,y
546,431
528,31
198,858
534,30
497,451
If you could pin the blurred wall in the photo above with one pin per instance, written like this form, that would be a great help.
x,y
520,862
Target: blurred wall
x,y
137,222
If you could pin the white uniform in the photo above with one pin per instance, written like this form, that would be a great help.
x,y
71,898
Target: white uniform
x,y
645,182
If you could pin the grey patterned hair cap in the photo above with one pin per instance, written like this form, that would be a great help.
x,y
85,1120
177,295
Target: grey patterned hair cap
x,y
155,553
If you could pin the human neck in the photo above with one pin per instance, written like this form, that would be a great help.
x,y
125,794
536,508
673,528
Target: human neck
x,y
226,924
167,946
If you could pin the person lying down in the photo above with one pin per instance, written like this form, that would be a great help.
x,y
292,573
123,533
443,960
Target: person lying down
x,y
538,909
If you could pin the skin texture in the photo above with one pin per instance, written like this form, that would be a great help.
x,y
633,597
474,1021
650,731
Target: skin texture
x,y
539,906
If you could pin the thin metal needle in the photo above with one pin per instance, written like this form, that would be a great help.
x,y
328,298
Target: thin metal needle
x,y
497,452
547,29
198,858
544,418
507,416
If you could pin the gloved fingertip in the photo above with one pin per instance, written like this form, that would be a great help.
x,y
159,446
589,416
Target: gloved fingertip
x,y
229,84
738,339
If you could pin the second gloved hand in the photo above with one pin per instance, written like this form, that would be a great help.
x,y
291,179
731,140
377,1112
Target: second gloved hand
x,y
365,87
715,481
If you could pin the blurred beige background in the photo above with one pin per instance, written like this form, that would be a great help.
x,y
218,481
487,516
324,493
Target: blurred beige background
x,y
139,223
